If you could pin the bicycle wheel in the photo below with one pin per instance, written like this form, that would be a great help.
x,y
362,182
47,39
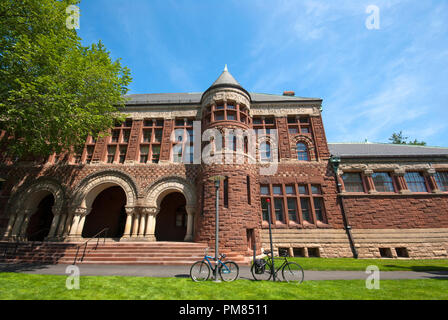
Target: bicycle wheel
x,y
199,271
229,271
293,273
264,275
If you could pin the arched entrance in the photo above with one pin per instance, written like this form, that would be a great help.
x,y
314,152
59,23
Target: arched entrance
x,y
40,222
171,221
107,212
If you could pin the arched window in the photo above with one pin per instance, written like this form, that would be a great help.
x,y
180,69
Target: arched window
x,y
265,151
302,152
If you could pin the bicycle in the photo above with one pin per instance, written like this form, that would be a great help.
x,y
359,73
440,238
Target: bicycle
x,y
263,270
200,270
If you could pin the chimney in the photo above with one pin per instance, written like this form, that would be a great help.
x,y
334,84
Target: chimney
x,y
289,93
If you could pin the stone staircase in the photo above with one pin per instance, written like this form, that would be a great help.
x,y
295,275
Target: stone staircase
x,y
110,252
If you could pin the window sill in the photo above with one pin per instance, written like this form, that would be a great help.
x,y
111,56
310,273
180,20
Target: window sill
x,y
390,194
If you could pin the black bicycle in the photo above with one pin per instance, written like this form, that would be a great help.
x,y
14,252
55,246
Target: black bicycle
x,y
264,269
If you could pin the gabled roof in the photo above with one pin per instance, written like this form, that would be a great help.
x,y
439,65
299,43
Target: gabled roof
x,y
384,150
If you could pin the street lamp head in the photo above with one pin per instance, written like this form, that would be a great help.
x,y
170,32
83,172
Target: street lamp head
x,y
217,180
335,162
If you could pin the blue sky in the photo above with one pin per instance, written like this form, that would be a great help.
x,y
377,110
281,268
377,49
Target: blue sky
x,y
372,82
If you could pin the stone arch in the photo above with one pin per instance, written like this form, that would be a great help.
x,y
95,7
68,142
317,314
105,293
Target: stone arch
x,y
29,195
91,186
307,141
155,193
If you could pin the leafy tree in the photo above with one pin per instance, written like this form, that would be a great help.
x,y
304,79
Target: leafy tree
x,y
398,138
54,92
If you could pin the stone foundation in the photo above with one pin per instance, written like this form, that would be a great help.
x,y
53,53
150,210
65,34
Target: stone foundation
x,y
419,243
325,243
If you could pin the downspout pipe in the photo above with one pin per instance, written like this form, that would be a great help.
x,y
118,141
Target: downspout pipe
x,y
335,161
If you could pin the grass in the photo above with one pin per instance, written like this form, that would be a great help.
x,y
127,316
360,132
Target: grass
x,y
346,264
16,286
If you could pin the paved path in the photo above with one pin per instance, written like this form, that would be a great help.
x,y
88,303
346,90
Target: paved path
x,y
183,272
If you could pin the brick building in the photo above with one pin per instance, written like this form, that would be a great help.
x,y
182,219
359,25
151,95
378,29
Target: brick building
x,y
149,180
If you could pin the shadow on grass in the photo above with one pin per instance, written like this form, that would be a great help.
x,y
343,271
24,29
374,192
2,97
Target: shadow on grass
x,y
440,273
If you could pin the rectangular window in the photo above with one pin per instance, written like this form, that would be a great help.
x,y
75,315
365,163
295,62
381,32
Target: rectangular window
x,y
264,190
177,153
123,150
89,154
144,152
278,206
248,189
158,135
442,180
147,135
383,182
292,209
111,153
277,189
219,116
265,209
155,153
353,182
115,135
415,181
305,206
226,192
303,189
290,189
318,209
126,134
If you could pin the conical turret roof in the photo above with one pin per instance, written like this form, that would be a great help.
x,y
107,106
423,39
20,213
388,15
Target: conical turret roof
x,y
226,78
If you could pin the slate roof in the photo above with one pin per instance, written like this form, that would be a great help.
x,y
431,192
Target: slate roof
x,y
384,150
195,98
225,79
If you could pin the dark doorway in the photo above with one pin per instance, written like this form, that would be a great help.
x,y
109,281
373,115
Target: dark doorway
x,y
107,212
171,221
40,221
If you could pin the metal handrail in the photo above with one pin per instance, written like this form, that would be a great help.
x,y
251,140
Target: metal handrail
x,y
96,236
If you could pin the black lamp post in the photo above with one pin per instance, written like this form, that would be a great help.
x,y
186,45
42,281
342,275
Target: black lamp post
x,y
217,180
270,238
335,162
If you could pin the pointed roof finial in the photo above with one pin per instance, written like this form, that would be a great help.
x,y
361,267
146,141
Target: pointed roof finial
x,y
225,68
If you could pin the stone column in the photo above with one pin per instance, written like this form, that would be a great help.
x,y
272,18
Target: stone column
x,y
79,215
142,226
150,214
128,226
61,228
402,185
134,233
12,219
26,219
68,224
370,185
429,174
190,220
54,224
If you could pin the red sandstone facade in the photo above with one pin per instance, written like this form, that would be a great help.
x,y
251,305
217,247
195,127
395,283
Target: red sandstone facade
x,y
138,183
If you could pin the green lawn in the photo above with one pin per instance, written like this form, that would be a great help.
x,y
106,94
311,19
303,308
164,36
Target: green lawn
x,y
45,287
361,264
